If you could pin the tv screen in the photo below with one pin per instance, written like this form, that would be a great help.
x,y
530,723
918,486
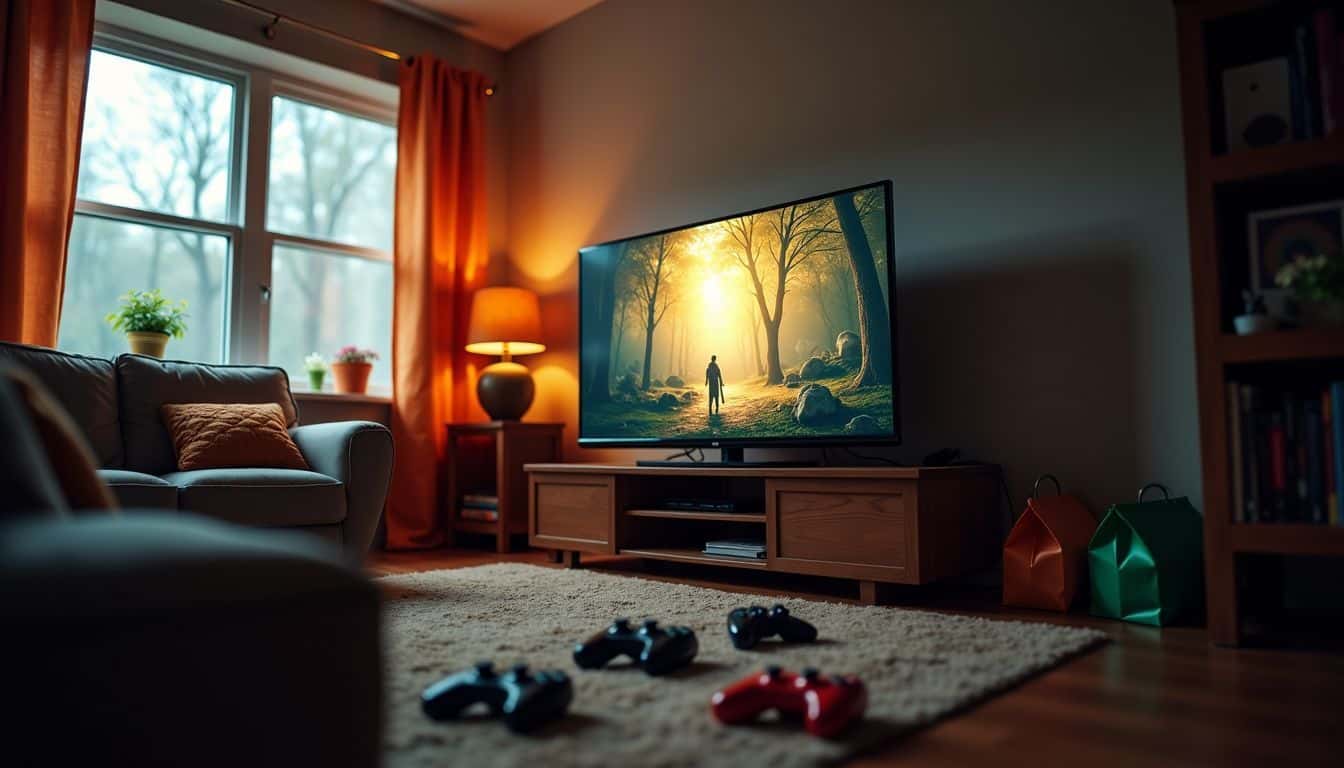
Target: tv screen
x,y
774,326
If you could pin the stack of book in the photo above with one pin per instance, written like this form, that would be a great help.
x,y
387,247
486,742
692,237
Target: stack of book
x,y
479,506
752,549
1287,454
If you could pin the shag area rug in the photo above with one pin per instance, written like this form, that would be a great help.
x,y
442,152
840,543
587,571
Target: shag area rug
x,y
918,666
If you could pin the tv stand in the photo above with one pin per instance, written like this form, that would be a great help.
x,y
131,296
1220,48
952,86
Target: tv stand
x,y
876,525
729,456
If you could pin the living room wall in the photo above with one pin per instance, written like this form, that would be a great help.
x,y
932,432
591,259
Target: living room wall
x,y
1043,287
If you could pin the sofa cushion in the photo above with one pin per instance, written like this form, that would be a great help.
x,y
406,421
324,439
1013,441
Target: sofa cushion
x,y
136,489
85,386
217,435
147,383
261,497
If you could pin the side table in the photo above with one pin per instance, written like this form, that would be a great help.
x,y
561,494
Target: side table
x,y
485,459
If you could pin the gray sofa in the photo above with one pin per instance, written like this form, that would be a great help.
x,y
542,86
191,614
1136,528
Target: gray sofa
x,y
153,638
117,404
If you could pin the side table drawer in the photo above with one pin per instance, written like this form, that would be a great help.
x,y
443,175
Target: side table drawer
x,y
863,530
572,512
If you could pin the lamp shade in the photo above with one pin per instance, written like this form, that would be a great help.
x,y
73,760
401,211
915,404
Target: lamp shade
x,y
505,321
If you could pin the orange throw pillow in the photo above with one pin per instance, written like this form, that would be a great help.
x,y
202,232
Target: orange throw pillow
x,y
218,435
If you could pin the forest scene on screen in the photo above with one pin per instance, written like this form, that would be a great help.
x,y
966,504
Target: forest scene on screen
x,y
770,325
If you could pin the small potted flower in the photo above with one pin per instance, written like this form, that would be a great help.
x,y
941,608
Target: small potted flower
x,y
350,370
148,319
316,366
1318,283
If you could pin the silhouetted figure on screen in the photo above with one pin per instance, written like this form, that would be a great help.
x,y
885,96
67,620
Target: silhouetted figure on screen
x,y
714,380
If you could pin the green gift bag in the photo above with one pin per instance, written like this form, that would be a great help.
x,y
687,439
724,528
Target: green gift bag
x,y
1146,561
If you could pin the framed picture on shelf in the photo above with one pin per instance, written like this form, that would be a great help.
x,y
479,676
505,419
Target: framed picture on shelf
x,y
1279,236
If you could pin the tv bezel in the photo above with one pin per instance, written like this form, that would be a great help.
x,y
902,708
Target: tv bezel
x,y
762,442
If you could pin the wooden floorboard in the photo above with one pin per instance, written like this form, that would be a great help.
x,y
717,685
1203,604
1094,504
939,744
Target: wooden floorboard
x,y
1150,697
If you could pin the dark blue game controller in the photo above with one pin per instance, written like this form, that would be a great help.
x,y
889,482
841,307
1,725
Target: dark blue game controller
x,y
651,647
748,626
525,700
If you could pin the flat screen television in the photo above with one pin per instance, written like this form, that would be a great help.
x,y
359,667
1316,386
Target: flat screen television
x,y
770,327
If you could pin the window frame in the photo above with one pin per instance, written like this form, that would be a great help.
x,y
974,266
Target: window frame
x,y
246,327
306,93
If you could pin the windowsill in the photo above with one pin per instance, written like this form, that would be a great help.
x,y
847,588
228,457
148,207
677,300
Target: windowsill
x,y
338,397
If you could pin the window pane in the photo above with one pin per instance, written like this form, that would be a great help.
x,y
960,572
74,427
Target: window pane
x,y
156,138
331,176
321,302
108,258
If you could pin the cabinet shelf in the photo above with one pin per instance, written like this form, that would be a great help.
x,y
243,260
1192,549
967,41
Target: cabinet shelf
x,y
1300,344
678,514
687,555
1286,538
1264,162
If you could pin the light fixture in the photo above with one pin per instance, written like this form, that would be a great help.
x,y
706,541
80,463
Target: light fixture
x,y
505,321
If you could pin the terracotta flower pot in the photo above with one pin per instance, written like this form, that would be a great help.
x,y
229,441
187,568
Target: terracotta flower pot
x,y
147,342
351,378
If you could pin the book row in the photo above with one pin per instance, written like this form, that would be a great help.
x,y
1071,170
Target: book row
x,y
1287,453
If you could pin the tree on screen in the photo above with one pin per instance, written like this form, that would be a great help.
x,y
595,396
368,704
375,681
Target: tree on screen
x,y
874,323
608,274
651,265
770,246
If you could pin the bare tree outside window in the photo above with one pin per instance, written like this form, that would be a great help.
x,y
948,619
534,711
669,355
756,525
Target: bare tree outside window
x,y
155,139
331,180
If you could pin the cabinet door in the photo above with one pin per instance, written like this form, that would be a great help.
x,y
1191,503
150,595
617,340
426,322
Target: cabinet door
x,y
857,529
573,512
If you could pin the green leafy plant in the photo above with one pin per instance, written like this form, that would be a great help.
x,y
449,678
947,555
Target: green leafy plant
x,y
149,312
1318,279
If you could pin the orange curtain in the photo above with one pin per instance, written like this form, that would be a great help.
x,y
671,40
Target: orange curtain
x,y
44,65
439,254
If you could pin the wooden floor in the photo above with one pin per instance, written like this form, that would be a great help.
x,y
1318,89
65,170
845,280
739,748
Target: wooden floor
x,y
1150,697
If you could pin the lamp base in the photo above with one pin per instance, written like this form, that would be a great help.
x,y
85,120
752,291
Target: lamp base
x,y
505,390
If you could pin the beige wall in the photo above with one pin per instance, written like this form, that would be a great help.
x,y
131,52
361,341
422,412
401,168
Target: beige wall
x,y
1042,263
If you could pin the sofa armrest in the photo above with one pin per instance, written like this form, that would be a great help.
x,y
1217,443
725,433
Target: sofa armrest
x,y
359,454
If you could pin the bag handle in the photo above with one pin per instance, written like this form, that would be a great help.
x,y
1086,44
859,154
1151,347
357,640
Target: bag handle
x,y
1165,496
1036,486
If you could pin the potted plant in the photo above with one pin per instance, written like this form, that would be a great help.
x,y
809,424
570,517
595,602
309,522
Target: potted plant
x,y
316,366
350,370
1256,318
148,319
1318,282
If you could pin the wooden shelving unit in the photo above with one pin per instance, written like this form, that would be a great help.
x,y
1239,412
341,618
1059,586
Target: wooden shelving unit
x,y
1304,168
872,525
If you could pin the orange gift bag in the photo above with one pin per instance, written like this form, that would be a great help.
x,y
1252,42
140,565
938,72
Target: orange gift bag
x,y
1045,556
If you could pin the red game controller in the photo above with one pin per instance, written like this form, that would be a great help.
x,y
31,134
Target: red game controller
x,y
828,705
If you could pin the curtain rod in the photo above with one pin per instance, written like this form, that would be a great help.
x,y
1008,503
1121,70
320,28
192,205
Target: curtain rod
x,y
276,18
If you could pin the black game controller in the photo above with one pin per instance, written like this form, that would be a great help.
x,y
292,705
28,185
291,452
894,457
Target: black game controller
x,y
655,649
749,626
527,701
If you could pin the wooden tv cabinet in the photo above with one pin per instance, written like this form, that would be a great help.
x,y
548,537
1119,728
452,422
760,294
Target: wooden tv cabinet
x,y
877,525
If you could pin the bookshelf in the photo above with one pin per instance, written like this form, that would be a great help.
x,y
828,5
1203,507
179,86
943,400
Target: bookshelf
x,y
1222,188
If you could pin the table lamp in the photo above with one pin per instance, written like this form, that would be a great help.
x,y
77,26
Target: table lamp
x,y
505,321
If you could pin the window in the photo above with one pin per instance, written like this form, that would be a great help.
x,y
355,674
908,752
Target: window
x,y
156,185
329,209
278,252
